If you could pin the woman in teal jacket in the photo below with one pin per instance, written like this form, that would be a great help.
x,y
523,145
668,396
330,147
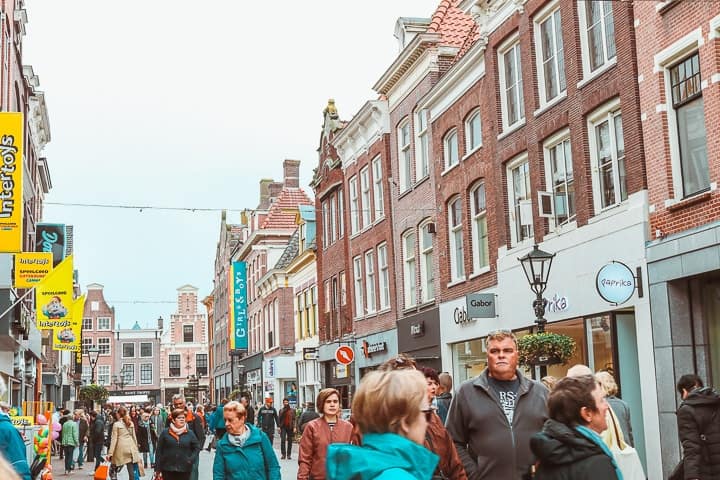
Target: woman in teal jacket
x,y
391,411
244,453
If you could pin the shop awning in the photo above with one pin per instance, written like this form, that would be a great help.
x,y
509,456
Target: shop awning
x,y
127,399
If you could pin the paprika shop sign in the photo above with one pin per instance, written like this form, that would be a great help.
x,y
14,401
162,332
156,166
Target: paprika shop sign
x,y
615,283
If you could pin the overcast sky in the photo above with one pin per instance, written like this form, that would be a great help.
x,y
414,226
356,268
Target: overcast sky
x,y
188,104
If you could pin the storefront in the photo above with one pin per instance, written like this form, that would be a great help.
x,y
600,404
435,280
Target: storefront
x,y
335,375
373,350
251,378
616,338
419,338
308,374
279,378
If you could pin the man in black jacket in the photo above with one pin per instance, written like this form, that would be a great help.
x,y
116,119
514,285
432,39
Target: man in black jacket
x,y
698,420
97,436
194,423
286,421
268,419
249,410
308,415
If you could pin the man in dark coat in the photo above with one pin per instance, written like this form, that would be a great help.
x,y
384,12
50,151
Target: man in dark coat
x,y
699,416
97,436
249,410
286,420
268,419
308,415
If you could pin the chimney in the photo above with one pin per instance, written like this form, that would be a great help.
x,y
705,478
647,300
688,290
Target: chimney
x,y
275,188
160,323
265,193
291,173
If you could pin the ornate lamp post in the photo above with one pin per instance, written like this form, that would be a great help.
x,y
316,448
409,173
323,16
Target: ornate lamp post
x,y
92,353
119,381
536,265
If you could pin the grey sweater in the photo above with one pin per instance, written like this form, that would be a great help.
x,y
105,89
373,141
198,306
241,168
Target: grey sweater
x,y
488,445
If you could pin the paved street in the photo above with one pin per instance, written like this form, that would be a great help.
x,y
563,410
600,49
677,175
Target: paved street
x,y
288,467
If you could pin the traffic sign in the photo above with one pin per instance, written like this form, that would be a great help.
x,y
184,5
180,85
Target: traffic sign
x,y
344,355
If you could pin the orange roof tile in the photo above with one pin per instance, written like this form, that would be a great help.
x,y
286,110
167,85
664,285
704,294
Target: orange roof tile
x,y
454,25
284,210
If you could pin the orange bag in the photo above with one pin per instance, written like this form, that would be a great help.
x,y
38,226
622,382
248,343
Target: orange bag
x,y
101,473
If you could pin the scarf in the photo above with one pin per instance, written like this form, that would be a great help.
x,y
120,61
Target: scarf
x,y
239,440
595,438
176,432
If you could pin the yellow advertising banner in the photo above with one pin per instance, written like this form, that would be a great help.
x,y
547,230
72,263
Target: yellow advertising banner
x,y
22,421
68,338
31,267
11,182
54,297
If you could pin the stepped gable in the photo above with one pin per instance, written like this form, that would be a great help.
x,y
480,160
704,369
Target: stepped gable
x,y
457,29
284,210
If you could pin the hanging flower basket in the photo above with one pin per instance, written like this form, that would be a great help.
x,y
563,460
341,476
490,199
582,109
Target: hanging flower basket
x,y
94,392
545,349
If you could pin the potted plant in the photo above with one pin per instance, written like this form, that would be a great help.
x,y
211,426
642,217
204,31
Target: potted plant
x,y
545,348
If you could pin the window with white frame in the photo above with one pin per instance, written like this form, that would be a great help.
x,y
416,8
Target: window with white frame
x,y
427,277
128,349
201,363
473,132
103,323
560,180
146,349
378,187
478,212
86,343
128,373
457,259
87,324
146,374
370,281
384,277
551,61
422,147
365,197
341,213
521,214
598,34
409,269
689,122
326,223
404,155
103,377
511,87
354,207
103,345
450,149
332,216
358,284
327,295
86,376
343,289
607,148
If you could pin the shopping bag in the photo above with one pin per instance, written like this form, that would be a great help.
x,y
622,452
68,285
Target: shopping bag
x,y
210,440
101,472
626,457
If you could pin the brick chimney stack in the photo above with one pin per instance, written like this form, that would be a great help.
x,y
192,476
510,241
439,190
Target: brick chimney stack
x,y
265,193
291,173
275,188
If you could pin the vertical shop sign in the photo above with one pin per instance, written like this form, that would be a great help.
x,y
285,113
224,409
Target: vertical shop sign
x,y
11,182
51,237
54,297
238,307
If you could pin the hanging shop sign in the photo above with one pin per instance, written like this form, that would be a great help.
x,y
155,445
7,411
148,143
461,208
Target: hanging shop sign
x,y
11,182
31,267
54,297
615,283
310,353
54,238
480,305
68,338
238,323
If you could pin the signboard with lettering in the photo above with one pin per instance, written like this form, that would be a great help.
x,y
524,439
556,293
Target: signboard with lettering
x,y
11,182
615,283
375,347
238,324
22,421
480,305
52,238
341,371
310,353
417,329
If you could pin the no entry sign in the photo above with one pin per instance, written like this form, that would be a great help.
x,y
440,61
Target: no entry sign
x,y
344,355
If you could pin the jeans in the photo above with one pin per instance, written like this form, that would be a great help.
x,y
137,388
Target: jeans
x,y
98,448
194,474
286,434
132,468
80,454
69,449
150,454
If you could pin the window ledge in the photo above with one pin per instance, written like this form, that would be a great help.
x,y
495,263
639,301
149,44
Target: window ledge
x,y
560,230
663,7
482,271
378,220
592,76
689,201
513,128
421,181
547,106
447,170
526,243
468,154
610,211
457,282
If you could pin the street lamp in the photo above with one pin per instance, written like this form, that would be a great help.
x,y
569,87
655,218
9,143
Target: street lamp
x,y
119,381
536,265
194,386
92,353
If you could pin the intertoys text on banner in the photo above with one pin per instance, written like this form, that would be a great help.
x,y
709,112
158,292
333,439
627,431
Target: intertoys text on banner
x,y
54,297
11,182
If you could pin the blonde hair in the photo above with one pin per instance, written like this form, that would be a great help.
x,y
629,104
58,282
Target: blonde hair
x,y
385,398
235,407
607,382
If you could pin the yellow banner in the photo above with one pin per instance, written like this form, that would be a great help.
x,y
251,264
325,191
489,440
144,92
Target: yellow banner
x,y
68,338
23,421
11,182
54,297
31,267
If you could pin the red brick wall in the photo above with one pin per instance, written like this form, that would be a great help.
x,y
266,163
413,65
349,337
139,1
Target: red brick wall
x,y
655,32
369,239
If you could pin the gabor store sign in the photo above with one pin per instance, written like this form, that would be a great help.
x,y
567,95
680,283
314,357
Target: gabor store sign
x,y
615,283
